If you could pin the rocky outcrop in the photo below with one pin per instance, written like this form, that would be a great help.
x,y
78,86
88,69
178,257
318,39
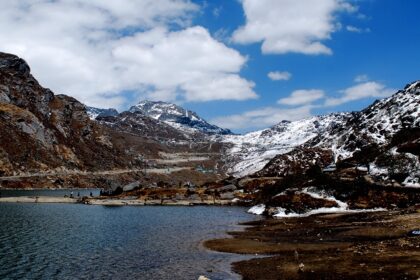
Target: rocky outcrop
x,y
44,131
296,162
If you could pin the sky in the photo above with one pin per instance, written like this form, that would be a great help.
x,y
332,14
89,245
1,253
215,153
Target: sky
x,y
241,64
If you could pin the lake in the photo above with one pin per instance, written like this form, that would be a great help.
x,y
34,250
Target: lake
x,y
74,241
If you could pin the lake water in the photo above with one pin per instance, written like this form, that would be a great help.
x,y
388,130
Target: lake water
x,y
74,241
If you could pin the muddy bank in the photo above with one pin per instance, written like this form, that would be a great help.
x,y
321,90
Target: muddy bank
x,y
377,245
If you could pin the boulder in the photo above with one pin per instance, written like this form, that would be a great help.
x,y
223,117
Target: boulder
x,y
227,188
131,186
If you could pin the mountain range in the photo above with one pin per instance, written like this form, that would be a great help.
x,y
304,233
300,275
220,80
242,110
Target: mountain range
x,y
56,132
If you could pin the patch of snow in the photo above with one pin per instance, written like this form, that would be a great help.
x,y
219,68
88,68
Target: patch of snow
x,y
281,212
411,182
257,209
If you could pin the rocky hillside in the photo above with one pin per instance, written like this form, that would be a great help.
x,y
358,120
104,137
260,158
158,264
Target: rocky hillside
x,y
383,140
140,124
177,117
44,131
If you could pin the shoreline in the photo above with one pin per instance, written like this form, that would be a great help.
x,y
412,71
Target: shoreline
x,y
375,245
115,202
46,189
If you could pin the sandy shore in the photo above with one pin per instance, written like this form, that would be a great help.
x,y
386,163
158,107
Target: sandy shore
x,y
111,202
378,245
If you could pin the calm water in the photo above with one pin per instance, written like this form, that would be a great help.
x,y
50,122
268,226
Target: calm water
x,y
72,241
82,192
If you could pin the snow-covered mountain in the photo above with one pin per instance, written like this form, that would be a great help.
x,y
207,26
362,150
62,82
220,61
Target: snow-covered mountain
x,y
93,112
376,124
251,152
384,136
177,117
341,134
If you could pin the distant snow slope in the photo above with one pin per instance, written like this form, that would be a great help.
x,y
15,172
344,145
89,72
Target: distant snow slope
x,y
93,112
177,117
251,152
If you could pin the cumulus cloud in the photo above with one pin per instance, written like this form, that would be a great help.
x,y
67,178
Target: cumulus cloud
x,y
262,118
96,50
360,91
302,97
279,76
285,26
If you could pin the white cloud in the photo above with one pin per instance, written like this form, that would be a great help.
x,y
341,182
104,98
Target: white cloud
x,y
303,102
187,64
360,91
361,78
355,29
279,76
95,50
302,97
290,26
262,118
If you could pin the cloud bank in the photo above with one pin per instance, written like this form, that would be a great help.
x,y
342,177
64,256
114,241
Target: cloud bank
x,y
97,50
299,105
285,26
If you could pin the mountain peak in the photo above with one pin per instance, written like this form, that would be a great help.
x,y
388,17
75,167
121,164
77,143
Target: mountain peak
x,y
177,117
413,86
14,63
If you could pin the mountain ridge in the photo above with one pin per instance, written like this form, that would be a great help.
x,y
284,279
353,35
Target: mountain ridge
x,y
177,117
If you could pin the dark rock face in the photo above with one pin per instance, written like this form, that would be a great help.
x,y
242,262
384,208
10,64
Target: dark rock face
x,y
140,124
14,64
296,162
298,202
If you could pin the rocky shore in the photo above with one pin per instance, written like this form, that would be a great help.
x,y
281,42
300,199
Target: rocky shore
x,y
374,245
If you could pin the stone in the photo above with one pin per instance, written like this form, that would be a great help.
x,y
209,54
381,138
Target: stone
x,y
228,195
131,186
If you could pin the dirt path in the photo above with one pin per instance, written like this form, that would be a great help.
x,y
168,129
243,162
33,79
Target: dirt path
x,y
105,172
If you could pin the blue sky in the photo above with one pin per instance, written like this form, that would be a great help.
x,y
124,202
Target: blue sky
x,y
214,57
387,51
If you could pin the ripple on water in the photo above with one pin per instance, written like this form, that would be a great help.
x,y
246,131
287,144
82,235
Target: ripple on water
x,y
58,241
